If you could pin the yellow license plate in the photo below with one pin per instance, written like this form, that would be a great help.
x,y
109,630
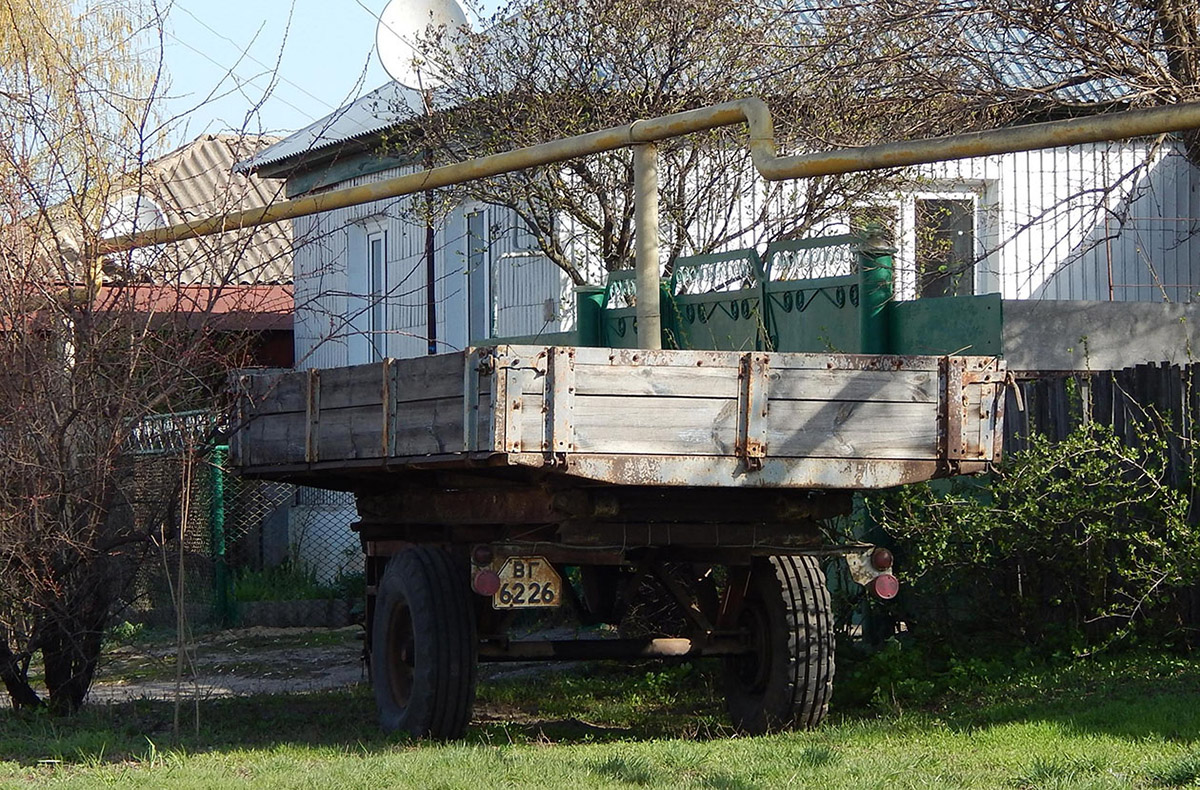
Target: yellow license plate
x,y
526,583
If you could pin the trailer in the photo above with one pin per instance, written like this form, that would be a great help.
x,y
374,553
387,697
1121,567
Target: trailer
x,y
523,476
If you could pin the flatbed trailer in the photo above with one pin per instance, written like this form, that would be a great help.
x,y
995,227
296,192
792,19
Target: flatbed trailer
x,y
516,476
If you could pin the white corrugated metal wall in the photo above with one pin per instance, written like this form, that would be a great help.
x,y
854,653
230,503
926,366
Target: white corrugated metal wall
x,y
1090,222
527,290
1108,221
1093,222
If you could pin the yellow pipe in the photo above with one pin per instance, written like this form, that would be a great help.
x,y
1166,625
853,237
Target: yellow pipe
x,y
645,202
751,111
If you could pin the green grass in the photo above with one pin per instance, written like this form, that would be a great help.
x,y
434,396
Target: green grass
x,y
281,583
1129,721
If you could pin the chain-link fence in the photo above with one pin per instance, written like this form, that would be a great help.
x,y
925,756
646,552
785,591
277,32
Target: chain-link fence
x,y
217,534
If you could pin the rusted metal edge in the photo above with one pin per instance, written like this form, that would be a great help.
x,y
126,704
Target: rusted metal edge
x,y
730,471
753,402
312,424
609,649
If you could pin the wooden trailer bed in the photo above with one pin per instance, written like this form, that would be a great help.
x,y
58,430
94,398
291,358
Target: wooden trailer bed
x,y
630,417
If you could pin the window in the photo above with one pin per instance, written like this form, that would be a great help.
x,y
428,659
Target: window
x,y
479,306
377,290
945,246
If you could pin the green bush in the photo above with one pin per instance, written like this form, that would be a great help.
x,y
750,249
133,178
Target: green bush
x,y
1074,544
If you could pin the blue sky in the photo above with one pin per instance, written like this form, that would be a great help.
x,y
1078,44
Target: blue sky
x,y
228,50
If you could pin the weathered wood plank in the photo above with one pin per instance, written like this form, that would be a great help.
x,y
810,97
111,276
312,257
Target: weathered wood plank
x,y
697,426
429,427
275,439
430,378
666,426
799,429
901,386
351,433
640,380
286,392
359,385
628,404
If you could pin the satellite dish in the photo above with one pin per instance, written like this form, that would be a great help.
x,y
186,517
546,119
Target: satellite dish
x,y
403,28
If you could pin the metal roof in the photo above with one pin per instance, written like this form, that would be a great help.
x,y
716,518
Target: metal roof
x,y
197,181
378,110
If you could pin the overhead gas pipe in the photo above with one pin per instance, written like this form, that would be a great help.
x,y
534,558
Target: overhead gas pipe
x,y
642,134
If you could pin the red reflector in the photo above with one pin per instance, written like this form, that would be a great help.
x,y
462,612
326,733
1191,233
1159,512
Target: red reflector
x,y
486,582
483,555
881,559
885,587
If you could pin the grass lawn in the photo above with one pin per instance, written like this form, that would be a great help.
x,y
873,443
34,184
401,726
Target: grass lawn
x,y
1125,721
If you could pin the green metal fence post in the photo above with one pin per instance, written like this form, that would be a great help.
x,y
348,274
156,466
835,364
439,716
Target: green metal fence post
x,y
589,315
668,315
876,263
222,599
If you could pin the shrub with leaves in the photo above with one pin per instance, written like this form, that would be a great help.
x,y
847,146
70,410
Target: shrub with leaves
x,y
1073,544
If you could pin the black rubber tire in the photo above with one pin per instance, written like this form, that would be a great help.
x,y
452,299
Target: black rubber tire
x,y
423,645
787,681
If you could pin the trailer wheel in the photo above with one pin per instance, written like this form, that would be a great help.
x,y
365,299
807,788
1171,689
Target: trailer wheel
x,y
423,657
786,680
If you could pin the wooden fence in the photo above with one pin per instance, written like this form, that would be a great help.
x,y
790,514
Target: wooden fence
x,y
1163,396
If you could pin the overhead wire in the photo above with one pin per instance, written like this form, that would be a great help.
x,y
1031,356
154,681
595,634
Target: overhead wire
x,y
240,81
246,54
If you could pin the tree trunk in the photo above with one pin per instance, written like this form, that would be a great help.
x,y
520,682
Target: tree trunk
x,y
1179,22
16,680
70,658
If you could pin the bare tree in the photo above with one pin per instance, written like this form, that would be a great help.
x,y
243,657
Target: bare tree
x,y
544,70
1022,59
91,346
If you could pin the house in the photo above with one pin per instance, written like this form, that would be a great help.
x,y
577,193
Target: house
x,y
234,284
365,283
1100,222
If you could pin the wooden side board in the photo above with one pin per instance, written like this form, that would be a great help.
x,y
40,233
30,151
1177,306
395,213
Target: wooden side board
x,y
752,418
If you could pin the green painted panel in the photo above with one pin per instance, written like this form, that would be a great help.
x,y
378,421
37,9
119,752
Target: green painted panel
x,y
947,325
544,339
729,321
814,315
619,329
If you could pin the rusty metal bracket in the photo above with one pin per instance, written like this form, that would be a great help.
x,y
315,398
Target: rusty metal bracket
x,y
510,401
753,380
685,601
312,426
987,377
737,584
559,401
956,409
387,398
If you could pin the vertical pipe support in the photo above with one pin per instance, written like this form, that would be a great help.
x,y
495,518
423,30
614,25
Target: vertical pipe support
x,y
645,213
876,262
216,519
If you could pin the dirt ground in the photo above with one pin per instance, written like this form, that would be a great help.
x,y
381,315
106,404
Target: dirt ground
x,y
260,660
235,663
